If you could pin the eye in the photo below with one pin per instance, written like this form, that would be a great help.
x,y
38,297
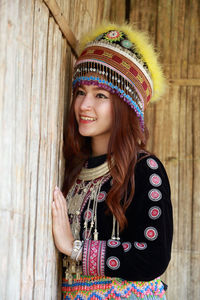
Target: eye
x,y
101,96
80,93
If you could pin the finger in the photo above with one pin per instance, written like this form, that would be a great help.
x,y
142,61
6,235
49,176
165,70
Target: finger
x,y
57,201
62,196
56,192
55,195
63,202
54,210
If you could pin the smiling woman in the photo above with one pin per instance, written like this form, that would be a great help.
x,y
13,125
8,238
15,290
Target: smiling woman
x,y
93,110
113,219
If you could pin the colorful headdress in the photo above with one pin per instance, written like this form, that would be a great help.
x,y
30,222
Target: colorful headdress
x,y
126,63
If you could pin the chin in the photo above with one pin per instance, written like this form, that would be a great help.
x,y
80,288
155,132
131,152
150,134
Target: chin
x,y
86,134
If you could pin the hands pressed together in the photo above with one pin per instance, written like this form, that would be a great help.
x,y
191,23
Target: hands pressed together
x,y
62,233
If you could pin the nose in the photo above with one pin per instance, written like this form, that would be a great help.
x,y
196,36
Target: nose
x,y
87,102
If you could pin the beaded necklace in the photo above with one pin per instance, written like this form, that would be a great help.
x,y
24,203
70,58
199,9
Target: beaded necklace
x,y
86,187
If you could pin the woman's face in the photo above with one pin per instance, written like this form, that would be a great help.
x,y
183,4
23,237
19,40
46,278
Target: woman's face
x,y
93,111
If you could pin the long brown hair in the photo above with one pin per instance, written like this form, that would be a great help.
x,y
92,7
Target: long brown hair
x,y
126,141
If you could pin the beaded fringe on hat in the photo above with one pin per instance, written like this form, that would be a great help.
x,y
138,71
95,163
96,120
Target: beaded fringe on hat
x,y
111,81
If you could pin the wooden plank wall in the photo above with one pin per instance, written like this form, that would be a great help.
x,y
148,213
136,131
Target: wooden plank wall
x,y
35,64
174,125
35,60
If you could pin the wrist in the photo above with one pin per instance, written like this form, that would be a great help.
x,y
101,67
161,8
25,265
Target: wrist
x,y
68,249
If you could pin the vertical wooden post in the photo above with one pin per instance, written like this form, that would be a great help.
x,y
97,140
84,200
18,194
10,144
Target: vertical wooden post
x,y
35,67
33,60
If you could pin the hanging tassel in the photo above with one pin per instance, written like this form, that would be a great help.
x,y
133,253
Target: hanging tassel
x,y
113,230
96,235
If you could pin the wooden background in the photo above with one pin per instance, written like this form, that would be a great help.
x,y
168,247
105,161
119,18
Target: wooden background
x,y
37,49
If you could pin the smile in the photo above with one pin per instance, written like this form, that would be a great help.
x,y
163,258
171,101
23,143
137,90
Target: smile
x,y
87,118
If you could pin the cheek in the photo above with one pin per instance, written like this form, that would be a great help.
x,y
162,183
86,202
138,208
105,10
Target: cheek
x,y
109,113
76,107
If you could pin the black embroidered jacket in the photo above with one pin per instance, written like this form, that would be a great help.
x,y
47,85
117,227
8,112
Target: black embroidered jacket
x,y
144,249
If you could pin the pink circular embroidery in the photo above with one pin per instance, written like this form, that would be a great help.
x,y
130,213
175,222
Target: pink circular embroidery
x,y
102,196
127,246
140,246
155,180
155,195
113,262
151,233
88,215
154,212
152,163
113,243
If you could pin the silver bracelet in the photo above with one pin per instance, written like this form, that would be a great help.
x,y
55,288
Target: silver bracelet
x,y
78,254
77,246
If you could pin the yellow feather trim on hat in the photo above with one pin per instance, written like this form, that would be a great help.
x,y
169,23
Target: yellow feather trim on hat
x,y
142,45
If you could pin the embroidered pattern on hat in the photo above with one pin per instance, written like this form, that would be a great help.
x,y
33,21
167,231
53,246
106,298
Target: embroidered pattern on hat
x,y
152,163
113,243
155,195
127,246
126,44
154,212
113,262
116,60
151,233
102,196
99,37
113,36
140,246
155,180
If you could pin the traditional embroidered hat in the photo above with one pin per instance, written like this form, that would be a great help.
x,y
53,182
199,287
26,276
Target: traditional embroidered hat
x,y
123,62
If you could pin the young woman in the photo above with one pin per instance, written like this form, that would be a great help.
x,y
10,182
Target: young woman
x,y
113,219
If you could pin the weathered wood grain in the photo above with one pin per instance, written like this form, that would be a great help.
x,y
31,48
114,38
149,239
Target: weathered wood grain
x,y
185,82
36,200
35,78
195,207
118,11
174,129
15,91
62,22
